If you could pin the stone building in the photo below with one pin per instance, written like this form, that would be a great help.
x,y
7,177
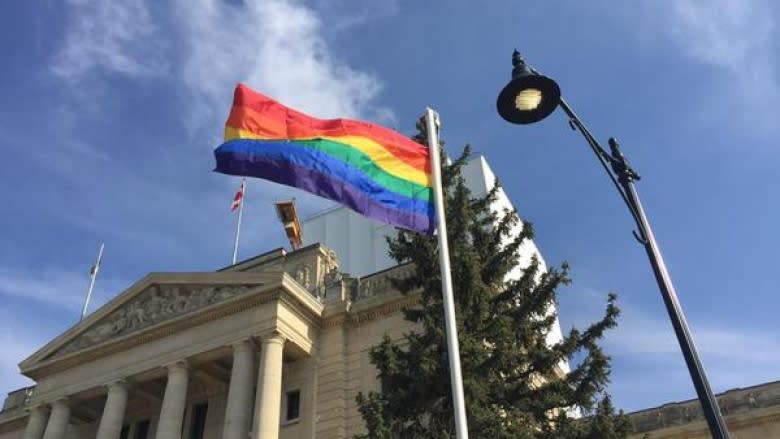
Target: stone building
x,y
276,345
750,413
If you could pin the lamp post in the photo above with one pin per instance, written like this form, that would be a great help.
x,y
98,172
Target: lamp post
x,y
530,97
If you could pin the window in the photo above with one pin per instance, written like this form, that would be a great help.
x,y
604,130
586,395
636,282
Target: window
x,y
198,425
293,405
142,429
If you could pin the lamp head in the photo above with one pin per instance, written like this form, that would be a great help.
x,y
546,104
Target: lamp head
x,y
529,97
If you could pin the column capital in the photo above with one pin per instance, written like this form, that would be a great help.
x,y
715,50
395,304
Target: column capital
x,y
62,400
177,365
274,337
36,407
244,343
118,383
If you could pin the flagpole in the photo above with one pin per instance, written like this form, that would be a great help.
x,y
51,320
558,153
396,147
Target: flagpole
x,y
453,351
238,222
92,276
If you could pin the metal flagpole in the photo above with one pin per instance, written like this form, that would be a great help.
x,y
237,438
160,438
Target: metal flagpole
x,y
238,222
92,275
453,351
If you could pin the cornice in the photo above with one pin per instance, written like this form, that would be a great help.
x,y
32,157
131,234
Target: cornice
x,y
200,278
357,313
195,318
264,288
740,407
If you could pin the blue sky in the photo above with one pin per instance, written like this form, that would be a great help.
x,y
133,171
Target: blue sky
x,y
109,112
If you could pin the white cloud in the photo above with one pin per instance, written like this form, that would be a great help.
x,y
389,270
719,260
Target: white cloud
x,y
276,46
725,33
739,41
57,287
114,37
646,352
279,48
39,304
642,334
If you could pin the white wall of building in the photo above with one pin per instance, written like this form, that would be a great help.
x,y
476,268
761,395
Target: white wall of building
x,y
360,242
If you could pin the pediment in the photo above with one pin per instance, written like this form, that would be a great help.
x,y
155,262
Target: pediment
x,y
156,304
156,301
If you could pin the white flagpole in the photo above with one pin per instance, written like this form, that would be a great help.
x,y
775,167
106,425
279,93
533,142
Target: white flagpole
x,y
92,275
238,222
453,351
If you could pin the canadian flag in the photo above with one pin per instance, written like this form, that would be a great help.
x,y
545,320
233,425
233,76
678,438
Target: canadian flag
x,y
239,196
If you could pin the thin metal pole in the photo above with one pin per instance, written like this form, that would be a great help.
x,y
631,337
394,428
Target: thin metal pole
x,y
238,221
624,183
707,399
453,351
92,275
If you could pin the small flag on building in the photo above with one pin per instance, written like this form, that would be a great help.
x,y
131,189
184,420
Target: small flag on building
x,y
371,169
93,271
239,196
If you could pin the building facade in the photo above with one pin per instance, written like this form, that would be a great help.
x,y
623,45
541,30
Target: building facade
x,y
275,346
750,413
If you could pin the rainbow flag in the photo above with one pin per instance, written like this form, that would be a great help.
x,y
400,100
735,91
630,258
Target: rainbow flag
x,y
371,169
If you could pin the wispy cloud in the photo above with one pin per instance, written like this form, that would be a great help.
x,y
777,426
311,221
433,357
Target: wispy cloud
x,y
724,33
109,37
276,46
54,296
56,287
740,38
39,304
206,46
643,334
644,343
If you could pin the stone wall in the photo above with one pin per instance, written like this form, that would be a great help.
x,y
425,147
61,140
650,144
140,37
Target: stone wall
x,y
750,413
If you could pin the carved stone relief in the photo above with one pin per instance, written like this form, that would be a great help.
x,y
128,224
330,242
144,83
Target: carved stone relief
x,y
329,273
302,275
380,284
733,402
156,304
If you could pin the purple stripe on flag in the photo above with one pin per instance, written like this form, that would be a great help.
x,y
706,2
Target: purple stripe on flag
x,y
326,186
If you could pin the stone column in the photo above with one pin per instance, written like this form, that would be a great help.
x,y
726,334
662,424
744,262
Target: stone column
x,y
174,402
238,412
269,389
58,420
36,423
113,411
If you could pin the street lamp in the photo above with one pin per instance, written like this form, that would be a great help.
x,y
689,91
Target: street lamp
x,y
530,97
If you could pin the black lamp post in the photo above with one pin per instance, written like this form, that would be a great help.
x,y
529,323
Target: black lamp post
x,y
530,97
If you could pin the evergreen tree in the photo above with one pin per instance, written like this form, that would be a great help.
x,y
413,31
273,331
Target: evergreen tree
x,y
513,384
